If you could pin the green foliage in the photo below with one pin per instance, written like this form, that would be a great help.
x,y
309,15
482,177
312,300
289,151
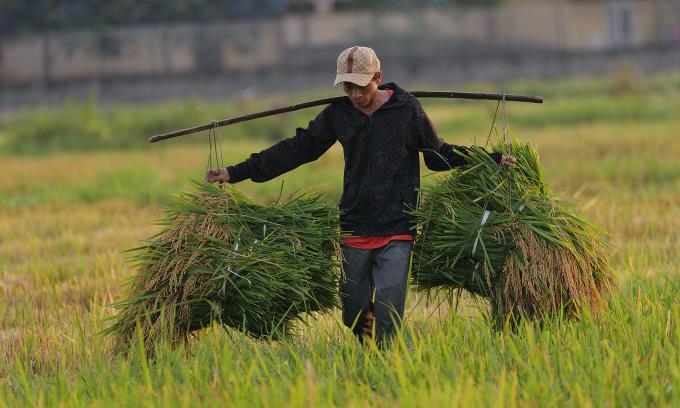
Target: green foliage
x,y
89,126
223,258
627,357
502,234
409,4
18,16
477,3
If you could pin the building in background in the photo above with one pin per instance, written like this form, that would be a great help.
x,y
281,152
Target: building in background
x,y
233,39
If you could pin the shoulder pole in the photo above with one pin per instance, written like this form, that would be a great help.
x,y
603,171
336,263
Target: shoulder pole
x,y
326,101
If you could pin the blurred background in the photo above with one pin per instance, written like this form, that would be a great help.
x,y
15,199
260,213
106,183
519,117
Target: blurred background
x,y
153,50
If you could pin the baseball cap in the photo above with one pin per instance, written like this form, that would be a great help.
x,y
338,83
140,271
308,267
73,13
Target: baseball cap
x,y
357,65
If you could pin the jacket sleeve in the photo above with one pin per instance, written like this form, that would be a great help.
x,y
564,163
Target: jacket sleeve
x,y
306,146
438,154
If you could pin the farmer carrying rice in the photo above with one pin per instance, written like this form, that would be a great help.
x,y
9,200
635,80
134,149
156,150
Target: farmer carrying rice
x,y
382,130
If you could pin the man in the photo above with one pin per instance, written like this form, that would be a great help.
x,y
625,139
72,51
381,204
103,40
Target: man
x,y
382,130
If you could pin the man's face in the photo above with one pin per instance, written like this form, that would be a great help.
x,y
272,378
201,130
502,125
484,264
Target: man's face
x,y
362,96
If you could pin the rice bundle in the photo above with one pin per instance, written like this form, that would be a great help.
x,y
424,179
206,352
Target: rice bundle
x,y
503,235
223,258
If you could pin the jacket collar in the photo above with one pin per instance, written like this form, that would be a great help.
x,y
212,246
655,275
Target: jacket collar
x,y
399,98
399,93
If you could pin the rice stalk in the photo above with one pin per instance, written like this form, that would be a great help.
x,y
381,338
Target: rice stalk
x,y
501,234
223,258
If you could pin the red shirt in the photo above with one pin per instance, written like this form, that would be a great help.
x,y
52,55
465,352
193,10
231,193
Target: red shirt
x,y
375,241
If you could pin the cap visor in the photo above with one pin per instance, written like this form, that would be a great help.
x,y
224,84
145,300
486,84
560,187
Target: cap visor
x,y
355,78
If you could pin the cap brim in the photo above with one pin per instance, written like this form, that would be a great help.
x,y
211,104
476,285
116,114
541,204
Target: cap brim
x,y
355,78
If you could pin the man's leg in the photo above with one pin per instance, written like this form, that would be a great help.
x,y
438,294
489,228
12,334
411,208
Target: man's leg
x,y
390,276
356,287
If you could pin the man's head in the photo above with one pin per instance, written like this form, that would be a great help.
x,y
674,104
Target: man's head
x,y
357,65
358,70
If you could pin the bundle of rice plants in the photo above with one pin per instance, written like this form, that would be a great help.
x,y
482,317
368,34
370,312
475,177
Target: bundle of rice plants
x,y
223,258
501,234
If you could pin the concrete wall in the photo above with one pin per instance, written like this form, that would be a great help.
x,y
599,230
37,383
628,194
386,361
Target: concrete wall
x,y
140,51
243,45
524,38
446,72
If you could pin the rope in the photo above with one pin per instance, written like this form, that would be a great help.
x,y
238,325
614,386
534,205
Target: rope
x,y
493,124
209,165
485,217
240,276
505,122
218,132
215,143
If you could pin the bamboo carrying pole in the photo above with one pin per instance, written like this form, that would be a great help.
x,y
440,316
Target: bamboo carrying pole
x,y
325,101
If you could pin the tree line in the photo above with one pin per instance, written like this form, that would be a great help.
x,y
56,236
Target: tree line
x,y
20,16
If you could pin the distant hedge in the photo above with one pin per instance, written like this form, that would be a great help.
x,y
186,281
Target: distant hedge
x,y
19,16
86,126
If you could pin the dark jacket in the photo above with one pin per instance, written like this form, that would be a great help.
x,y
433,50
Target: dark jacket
x,y
382,168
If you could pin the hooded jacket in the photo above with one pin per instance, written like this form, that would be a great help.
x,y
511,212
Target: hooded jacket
x,y
382,160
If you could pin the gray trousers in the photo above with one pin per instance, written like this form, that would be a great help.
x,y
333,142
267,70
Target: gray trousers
x,y
384,270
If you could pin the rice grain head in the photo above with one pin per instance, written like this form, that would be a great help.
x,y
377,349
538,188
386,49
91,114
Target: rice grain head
x,y
503,235
223,259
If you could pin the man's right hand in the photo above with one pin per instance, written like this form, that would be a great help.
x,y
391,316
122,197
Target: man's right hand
x,y
217,176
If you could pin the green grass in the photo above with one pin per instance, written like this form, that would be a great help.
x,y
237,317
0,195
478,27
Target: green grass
x,y
66,217
623,96
88,126
627,358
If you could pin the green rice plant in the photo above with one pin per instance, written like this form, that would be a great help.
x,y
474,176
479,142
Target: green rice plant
x,y
223,258
501,234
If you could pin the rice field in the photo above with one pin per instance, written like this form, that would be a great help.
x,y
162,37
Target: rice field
x,y
67,216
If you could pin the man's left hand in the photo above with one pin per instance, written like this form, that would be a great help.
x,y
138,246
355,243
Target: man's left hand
x,y
508,161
